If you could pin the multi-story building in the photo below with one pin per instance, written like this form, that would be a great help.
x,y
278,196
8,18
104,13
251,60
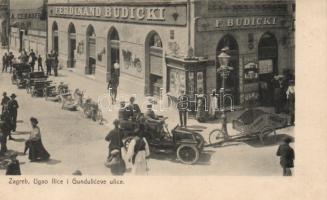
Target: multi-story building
x,y
174,44
4,22
28,25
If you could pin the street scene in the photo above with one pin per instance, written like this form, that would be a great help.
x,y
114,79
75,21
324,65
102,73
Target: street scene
x,y
147,88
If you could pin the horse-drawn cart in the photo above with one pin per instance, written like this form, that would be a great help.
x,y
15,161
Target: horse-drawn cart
x,y
251,123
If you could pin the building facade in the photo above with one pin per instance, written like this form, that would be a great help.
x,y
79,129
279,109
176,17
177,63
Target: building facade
x,y
4,23
28,26
172,46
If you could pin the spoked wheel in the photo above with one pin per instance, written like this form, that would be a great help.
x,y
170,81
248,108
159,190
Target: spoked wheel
x,y
188,154
216,136
265,132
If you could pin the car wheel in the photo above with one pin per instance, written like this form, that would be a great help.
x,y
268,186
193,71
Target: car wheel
x,y
188,154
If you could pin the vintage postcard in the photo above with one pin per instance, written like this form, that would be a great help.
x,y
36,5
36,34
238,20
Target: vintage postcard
x,y
121,93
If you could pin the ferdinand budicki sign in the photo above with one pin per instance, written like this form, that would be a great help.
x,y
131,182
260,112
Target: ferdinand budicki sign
x,y
164,15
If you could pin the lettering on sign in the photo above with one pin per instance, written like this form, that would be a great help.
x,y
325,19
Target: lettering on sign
x,y
149,14
246,21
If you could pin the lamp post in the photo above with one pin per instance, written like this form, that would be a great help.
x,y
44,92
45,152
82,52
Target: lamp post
x,y
223,70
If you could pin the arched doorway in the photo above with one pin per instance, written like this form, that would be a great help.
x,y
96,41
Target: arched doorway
x,y
71,45
153,64
232,82
90,50
55,37
113,55
268,66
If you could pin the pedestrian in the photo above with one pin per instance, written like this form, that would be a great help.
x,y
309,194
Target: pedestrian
x,y
278,93
13,167
13,108
4,62
286,154
112,87
114,159
48,64
10,61
201,115
290,94
39,63
138,154
182,107
55,65
4,101
32,58
5,128
37,152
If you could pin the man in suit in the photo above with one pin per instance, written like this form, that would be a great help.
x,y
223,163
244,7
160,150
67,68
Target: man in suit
x,y
4,101
182,106
13,108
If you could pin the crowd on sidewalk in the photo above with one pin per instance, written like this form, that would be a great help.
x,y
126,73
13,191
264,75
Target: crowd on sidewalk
x,y
51,61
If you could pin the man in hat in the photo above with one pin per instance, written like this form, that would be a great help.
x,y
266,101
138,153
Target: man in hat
x,y
4,101
286,154
112,87
32,58
152,120
4,62
13,107
133,109
182,107
13,167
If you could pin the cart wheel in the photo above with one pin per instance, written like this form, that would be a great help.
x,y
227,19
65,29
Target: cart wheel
x,y
188,154
216,136
265,132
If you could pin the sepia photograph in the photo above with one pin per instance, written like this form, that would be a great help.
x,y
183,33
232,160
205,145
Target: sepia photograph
x,y
148,88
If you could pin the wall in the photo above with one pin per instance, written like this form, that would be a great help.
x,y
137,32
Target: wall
x,y
132,37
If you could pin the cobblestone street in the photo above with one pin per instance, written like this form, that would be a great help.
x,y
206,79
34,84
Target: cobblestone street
x,y
78,143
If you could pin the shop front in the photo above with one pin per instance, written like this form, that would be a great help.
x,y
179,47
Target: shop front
x,y
254,40
132,39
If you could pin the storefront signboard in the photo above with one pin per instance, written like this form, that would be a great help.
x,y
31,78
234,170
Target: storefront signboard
x,y
265,66
165,15
232,23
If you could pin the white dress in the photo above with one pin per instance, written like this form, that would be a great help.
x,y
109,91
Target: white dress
x,y
141,164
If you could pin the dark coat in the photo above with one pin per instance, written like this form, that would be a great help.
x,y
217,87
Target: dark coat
x,y
13,168
182,104
5,100
286,154
115,139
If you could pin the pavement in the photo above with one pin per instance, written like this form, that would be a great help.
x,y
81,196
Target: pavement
x,y
78,143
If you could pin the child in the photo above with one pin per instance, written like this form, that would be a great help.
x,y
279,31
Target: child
x,y
13,167
286,154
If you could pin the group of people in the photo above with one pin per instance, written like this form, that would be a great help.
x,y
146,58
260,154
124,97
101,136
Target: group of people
x,y
136,156
8,124
31,58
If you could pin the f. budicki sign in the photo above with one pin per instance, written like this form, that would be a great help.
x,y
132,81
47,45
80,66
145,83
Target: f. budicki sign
x,y
168,15
211,24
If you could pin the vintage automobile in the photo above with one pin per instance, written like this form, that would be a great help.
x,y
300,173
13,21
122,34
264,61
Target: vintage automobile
x,y
34,77
20,74
185,144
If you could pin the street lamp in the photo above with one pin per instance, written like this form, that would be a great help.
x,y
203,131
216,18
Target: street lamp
x,y
223,70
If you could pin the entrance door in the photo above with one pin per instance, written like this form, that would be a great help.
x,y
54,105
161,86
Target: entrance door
x,y
90,50
268,67
113,59
71,45
154,73
55,38
232,82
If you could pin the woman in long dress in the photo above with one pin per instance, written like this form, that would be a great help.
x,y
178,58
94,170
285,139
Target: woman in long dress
x,y
37,152
138,154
